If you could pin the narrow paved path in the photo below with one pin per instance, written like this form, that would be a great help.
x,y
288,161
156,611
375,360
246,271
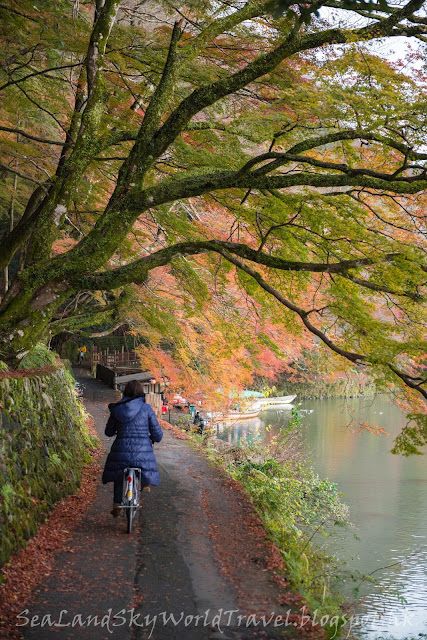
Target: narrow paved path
x,y
196,551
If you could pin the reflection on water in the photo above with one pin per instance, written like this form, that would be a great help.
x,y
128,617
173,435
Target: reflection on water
x,y
250,431
387,496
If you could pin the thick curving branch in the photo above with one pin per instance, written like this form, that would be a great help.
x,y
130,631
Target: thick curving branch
x,y
284,158
136,272
356,134
174,189
113,226
410,381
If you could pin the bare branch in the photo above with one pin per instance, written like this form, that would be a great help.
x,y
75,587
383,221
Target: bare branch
x,y
5,167
107,332
30,137
416,297
39,73
353,357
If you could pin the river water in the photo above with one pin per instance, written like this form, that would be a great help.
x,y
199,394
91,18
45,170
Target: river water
x,y
387,496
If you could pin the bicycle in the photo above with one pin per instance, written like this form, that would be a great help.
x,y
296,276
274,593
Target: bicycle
x,y
131,491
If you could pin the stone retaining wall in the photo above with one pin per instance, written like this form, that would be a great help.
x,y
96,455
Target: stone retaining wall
x,y
43,446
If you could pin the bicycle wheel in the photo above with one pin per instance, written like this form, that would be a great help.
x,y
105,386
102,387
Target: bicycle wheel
x,y
130,514
131,485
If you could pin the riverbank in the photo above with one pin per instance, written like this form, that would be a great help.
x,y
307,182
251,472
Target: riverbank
x,y
294,505
347,442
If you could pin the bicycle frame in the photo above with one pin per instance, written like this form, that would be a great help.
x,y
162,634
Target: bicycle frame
x,y
131,490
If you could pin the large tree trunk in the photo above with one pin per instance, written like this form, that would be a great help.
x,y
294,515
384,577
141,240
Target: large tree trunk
x,y
25,314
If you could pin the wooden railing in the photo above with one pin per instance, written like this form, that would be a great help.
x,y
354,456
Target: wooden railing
x,y
113,358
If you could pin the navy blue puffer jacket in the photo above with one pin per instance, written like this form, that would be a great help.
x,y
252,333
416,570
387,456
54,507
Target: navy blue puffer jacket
x,y
135,425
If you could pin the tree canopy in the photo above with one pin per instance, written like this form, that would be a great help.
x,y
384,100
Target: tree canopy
x,y
249,149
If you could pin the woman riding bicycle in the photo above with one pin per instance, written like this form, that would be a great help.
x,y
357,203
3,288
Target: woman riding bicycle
x,y
136,427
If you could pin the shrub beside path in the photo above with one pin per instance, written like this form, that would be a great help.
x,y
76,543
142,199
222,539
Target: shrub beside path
x,y
198,556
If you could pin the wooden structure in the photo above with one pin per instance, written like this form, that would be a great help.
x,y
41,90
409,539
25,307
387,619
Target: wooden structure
x,y
112,359
117,377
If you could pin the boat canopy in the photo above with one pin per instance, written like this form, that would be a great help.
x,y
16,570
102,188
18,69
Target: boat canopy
x,y
246,393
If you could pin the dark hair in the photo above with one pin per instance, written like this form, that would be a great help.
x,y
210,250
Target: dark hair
x,y
134,389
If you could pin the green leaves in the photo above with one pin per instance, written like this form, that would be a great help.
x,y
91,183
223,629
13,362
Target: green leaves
x,y
191,283
413,438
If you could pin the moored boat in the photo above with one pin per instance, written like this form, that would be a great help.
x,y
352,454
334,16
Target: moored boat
x,y
233,414
253,410
280,401
241,415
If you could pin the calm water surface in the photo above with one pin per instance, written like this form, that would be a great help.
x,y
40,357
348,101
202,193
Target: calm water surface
x,y
387,496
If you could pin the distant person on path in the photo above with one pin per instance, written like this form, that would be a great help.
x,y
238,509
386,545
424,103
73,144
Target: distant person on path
x,y
136,428
82,351
199,421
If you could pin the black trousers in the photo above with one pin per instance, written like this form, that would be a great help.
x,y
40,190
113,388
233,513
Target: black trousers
x,y
118,491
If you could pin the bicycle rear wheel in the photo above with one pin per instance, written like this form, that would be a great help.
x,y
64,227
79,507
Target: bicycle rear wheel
x,y
131,499
130,514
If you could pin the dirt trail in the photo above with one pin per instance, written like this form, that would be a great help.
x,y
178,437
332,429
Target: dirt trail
x,y
198,553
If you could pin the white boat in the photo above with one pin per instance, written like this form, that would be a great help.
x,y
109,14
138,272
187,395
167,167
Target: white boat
x,y
280,401
253,410
233,415
230,416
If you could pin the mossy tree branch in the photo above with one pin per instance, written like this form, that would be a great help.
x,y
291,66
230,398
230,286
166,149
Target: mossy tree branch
x,y
138,161
107,235
137,272
209,94
217,27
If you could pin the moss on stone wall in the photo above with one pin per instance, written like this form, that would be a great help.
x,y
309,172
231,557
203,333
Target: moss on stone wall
x,y
43,447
